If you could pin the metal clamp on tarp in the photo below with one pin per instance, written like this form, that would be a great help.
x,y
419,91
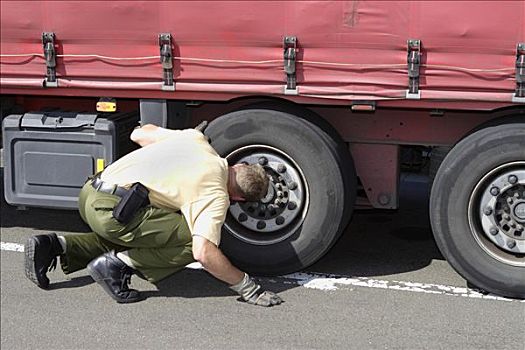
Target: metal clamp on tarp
x,y
166,58
290,55
519,96
414,62
48,42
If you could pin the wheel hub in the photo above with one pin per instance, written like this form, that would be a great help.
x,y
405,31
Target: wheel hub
x,y
519,211
282,209
502,210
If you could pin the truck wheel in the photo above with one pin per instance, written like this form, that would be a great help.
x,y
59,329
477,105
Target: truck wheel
x,y
303,214
477,209
332,139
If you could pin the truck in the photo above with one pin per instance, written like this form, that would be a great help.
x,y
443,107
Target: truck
x,y
329,96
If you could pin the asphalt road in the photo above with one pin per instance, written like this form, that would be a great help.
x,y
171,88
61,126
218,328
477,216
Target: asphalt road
x,y
383,286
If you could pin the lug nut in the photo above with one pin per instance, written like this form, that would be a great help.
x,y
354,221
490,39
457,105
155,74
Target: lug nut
x,y
281,168
487,211
292,185
277,202
506,216
513,179
510,200
511,244
242,217
493,231
512,224
279,187
494,191
261,225
292,205
272,208
280,194
263,160
279,220
519,228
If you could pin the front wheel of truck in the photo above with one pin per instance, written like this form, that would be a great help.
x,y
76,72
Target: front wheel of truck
x,y
477,208
304,211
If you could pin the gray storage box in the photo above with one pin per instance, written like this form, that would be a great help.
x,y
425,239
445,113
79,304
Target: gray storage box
x,y
49,155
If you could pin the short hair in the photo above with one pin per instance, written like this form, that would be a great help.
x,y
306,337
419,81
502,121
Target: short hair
x,y
252,182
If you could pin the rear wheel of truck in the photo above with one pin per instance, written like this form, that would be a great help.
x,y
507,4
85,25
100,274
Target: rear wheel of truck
x,y
306,208
477,208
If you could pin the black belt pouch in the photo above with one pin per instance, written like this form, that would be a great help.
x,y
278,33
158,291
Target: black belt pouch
x,y
130,203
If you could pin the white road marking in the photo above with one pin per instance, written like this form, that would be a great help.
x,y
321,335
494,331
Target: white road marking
x,y
327,282
330,282
12,247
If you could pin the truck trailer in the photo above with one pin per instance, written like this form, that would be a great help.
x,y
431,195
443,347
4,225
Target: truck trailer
x,y
329,96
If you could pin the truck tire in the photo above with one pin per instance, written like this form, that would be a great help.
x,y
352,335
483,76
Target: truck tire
x,y
304,212
436,158
477,209
333,140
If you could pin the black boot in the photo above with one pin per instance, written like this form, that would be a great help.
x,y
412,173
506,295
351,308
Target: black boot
x,y
41,254
114,276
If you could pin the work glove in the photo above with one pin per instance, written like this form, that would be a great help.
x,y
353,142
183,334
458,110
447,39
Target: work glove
x,y
252,293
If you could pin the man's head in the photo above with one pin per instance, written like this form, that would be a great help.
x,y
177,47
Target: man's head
x,y
247,182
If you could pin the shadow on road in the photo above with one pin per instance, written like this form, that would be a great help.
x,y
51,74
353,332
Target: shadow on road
x,y
43,219
39,219
72,283
188,283
382,242
198,284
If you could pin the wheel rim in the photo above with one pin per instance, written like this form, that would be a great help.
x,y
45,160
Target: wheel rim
x,y
497,213
277,216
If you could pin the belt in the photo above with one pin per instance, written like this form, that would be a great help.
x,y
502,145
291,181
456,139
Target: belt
x,y
105,187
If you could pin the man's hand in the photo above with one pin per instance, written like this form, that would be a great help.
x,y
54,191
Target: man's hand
x,y
266,298
219,266
253,294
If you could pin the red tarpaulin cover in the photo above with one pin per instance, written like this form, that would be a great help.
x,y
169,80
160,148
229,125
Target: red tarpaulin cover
x,y
346,49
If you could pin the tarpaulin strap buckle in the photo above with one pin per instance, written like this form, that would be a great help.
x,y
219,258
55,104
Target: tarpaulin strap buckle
x,y
520,70
48,43
413,64
290,56
166,58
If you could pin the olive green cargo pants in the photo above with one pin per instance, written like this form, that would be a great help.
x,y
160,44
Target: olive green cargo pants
x,y
157,241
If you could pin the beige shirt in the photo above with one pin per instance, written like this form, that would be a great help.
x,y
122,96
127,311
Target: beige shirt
x,y
183,172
